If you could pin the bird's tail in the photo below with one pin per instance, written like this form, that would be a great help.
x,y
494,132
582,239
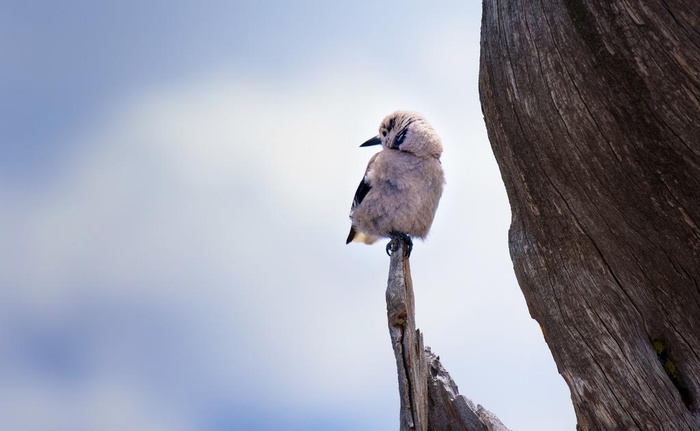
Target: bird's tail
x,y
355,236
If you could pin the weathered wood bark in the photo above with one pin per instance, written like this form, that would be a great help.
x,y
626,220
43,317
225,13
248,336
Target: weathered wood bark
x,y
593,112
407,342
450,411
429,398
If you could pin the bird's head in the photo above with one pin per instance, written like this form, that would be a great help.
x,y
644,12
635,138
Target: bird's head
x,y
409,132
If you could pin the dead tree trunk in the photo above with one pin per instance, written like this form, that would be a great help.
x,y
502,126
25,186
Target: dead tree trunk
x,y
593,112
429,397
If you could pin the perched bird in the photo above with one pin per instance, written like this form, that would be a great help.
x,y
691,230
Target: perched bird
x,y
399,193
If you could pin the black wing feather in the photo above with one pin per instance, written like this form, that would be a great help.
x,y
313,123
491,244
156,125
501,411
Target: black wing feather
x,y
351,235
361,192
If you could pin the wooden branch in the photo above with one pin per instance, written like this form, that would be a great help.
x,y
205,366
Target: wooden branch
x,y
408,344
429,397
448,410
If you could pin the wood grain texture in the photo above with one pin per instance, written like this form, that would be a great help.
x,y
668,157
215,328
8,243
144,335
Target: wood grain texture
x,y
450,411
429,397
593,111
407,343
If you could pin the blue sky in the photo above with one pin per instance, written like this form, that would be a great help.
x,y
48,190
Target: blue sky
x,y
174,191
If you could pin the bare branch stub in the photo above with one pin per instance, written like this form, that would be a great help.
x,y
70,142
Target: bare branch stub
x,y
429,397
407,343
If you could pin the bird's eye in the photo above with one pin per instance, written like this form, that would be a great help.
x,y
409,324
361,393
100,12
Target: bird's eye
x,y
383,132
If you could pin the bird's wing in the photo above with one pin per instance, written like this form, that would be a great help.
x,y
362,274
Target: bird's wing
x,y
360,194
351,235
364,186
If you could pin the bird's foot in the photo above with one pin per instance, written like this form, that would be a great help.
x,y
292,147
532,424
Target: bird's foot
x,y
393,244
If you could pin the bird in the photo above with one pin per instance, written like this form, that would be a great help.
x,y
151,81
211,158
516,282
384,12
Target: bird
x,y
402,185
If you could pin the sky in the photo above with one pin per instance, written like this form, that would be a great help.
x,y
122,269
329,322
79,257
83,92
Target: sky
x,y
175,183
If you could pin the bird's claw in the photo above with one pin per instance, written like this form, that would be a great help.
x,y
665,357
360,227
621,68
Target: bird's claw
x,y
393,244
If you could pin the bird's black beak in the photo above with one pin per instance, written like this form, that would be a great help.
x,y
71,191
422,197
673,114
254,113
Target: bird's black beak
x,y
372,141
